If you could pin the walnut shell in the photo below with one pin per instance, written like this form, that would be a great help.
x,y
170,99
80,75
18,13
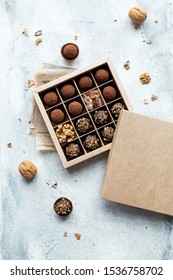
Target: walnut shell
x,y
27,169
137,15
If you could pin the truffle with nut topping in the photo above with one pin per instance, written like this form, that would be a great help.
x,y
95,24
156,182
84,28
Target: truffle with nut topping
x,y
116,109
91,142
108,133
73,150
83,124
63,206
101,117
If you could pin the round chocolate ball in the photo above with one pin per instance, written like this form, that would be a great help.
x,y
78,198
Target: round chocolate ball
x,y
63,206
83,125
108,133
85,83
73,150
109,92
50,98
101,117
68,91
57,116
91,142
70,51
75,108
102,75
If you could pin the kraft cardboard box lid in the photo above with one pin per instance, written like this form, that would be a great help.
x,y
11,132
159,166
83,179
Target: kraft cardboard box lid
x,y
140,165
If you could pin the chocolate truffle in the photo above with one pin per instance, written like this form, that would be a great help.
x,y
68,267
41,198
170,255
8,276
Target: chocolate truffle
x,y
108,133
50,98
109,93
85,83
68,91
73,150
57,116
83,124
70,51
102,75
101,117
75,108
91,142
63,206
116,109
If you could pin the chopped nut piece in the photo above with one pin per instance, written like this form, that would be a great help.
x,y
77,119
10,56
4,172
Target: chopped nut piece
x,y
126,65
54,185
25,31
148,42
145,101
65,133
38,41
19,120
9,145
77,235
65,234
154,97
115,20
145,78
31,83
38,33
156,21
75,37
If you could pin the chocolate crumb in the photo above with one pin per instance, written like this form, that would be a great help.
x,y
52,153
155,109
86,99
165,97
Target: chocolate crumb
x,y
127,65
148,42
55,185
9,145
65,234
154,97
19,120
38,33
77,235
156,21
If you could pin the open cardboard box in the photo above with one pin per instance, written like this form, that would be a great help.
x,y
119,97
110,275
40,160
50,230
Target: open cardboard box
x,y
140,166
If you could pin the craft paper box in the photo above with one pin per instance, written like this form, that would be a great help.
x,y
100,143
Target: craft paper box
x,y
140,166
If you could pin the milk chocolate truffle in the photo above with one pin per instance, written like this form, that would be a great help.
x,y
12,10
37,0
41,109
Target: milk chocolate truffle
x,y
109,92
50,98
102,75
70,51
101,117
73,150
75,108
108,133
116,109
63,206
83,124
91,142
57,116
68,91
85,83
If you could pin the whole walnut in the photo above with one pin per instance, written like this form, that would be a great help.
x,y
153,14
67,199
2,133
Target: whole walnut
x,y
137,15
27,169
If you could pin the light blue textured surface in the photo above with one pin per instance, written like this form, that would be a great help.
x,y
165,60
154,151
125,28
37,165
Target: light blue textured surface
x,y
29,227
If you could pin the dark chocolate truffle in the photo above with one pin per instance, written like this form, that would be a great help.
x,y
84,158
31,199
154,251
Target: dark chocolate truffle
x,y
73,150
85,83
75,108
63,206
68,91
116,109
83,124
108,133
109,93
57,116
102,75
70,51
50,98
101,117
91,142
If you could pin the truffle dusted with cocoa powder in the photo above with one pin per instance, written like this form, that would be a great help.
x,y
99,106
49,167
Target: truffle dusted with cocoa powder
x,y
101,117
85,83
68,91
91,142
73,150
63,206
57,116
75,108
102,75
109,92
108,133
116,109
70,51
50,98
83,125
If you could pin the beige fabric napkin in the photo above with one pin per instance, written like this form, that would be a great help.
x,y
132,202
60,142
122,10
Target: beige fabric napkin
x,y
37,126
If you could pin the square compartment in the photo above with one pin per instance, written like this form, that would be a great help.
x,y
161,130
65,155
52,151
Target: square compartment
x,y
73,142
104,67
109,120
72,84
78,99
77,80
43,93
94,102
114,85
83,116
61,107
88,150
68,136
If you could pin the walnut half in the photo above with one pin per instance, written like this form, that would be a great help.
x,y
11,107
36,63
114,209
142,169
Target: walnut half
x,y
27,169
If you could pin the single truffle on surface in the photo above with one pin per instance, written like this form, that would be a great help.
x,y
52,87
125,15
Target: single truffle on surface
x,y
57,116
68,91
75,108
101,117
70,51
91,142
83,124
102,75
109,92
108,133
116,109
73,150
50,98
63,206
85,83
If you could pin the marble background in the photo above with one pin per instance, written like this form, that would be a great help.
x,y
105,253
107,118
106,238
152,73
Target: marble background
x,y
29,228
